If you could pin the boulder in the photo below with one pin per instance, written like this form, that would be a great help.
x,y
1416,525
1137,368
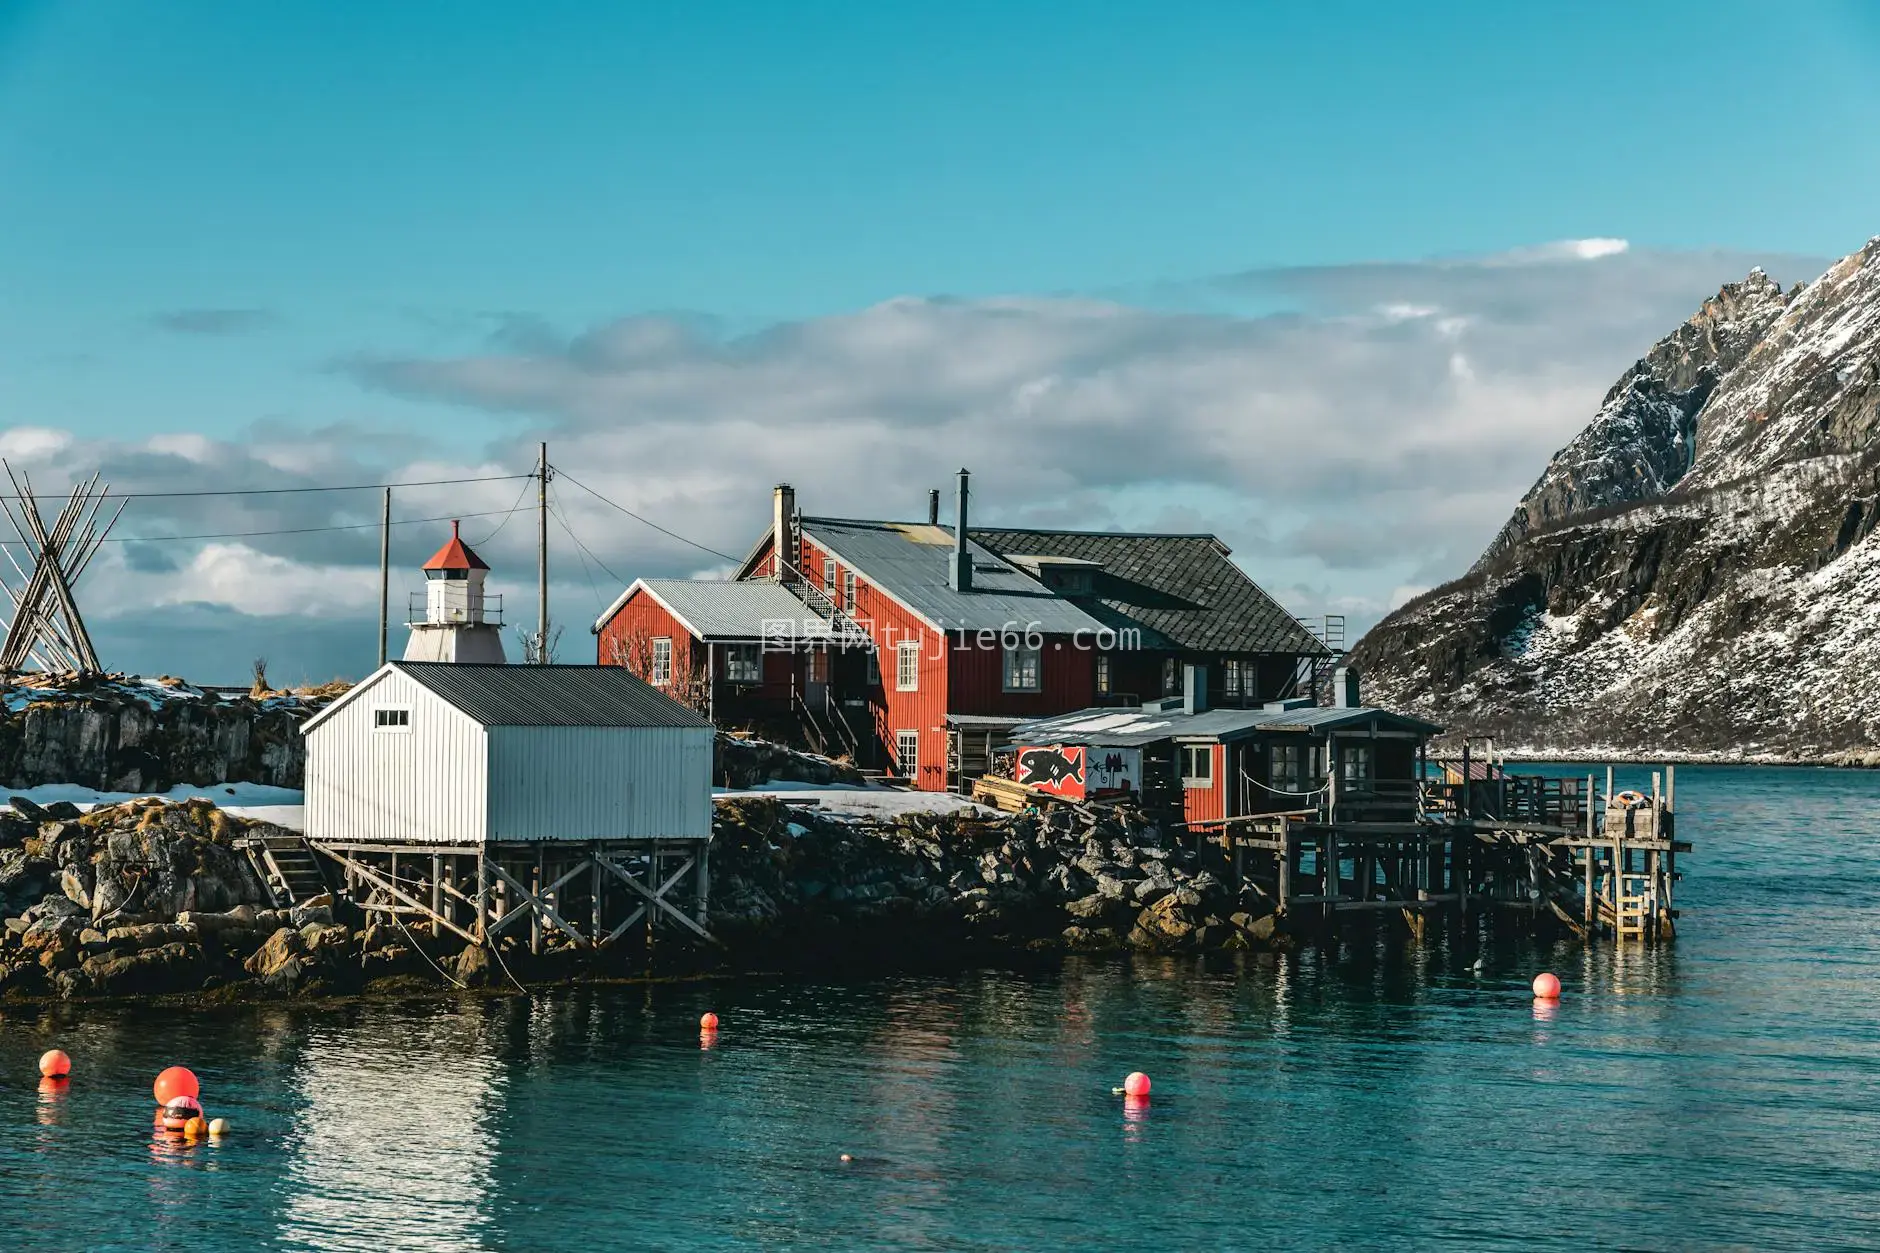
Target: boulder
x,y
475,967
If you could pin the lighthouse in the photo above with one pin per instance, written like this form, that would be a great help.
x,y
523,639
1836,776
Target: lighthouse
x,y
460,623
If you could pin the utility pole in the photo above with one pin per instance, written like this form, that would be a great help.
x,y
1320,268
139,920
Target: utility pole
x,y
385,574
541,557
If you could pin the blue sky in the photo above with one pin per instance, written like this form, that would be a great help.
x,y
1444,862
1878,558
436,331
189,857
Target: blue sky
x,y
251,225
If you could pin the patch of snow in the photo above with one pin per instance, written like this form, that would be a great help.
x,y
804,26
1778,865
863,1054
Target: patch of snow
x,y
861,802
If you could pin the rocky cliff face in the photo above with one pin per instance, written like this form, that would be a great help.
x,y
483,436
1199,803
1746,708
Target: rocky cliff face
x,y
1727,606
125,734
1644,436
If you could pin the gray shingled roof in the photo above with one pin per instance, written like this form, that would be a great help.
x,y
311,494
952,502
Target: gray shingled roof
x,y
1126,727
719,610
908,561
551,696
1185,588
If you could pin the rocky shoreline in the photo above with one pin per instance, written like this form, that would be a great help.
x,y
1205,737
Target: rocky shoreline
x,y
152,898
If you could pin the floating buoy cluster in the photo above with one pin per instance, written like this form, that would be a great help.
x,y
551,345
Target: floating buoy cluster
x,y
179,1106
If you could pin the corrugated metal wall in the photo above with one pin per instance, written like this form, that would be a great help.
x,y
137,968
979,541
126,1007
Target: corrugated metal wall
x,y
595,783
422,786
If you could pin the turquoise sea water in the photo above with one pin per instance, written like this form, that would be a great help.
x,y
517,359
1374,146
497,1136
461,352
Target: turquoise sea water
x,y
1723,1092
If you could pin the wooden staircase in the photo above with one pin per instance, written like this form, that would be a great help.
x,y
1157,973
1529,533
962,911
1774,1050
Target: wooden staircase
x,y
288,868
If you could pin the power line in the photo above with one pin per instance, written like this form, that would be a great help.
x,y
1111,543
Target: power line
x,y
647,521
561,516
579,549
526,480
298,530
288,491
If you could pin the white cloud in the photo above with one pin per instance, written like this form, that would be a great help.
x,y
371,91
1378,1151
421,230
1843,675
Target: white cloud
x,y
1341,441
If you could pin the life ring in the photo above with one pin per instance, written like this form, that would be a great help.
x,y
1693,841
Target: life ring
x,y
1632,800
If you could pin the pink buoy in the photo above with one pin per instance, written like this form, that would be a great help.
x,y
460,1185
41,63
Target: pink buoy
x,y
1546,987
708,1021
55,1065
1137,1085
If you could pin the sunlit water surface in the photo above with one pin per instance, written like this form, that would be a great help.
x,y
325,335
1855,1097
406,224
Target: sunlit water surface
x,y
1722,1092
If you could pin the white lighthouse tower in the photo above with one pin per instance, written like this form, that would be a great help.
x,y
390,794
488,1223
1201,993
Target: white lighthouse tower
x,y
459,623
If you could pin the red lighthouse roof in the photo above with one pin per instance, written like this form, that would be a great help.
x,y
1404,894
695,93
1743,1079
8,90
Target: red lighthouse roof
x,y
456,555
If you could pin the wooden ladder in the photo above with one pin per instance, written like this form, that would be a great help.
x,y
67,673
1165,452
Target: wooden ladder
x,y
288,869
1636,905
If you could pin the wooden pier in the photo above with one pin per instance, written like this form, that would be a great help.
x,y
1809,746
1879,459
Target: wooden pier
x,y
1470,841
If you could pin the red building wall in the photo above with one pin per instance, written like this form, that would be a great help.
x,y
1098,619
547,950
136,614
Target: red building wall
x,y
643,617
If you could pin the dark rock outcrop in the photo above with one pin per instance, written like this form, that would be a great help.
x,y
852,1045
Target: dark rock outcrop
x,y
124,734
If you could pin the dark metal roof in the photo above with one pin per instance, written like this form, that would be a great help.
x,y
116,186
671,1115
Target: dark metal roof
x,y
1184,588
551,696
907,560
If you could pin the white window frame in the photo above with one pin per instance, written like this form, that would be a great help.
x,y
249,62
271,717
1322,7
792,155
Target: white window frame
x,y
907,666
1351,756
1104,679
751,653
902,765
391,719
661,667
829,577
848,591
1192,753
1012,669
1231,677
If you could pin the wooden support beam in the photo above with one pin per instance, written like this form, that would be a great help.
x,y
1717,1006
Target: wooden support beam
x,y
656,899
534,905
394,893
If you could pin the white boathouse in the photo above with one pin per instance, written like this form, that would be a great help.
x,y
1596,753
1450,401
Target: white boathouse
x,y
471,796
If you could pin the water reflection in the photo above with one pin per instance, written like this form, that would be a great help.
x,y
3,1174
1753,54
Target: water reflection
x,y
393,1135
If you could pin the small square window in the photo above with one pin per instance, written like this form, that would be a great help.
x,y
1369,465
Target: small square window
x,y
1022,670
907,666
1197,765
744,663
391,720
662,662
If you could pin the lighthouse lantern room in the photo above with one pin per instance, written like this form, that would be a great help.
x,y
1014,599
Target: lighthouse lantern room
x,y
460,623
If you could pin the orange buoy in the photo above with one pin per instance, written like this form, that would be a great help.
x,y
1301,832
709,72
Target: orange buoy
x,y
196,1128
1137,1085
55,1065
708,1021
174,1082
1546,987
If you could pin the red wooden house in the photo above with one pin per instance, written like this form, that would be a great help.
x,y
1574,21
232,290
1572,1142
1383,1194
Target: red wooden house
x,y
921,646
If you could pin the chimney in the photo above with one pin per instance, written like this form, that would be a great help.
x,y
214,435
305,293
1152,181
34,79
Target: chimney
x,y
1345,687
933,506
960,567
782,529
1194,689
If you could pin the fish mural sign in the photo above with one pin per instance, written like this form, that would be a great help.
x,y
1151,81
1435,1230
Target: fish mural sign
x,y
1076,772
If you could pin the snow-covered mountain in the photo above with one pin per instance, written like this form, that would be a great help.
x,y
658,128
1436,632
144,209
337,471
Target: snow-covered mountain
x,y
1698,571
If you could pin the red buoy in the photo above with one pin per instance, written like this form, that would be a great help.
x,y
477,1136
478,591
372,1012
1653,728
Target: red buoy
x,y
1137,1085
174,1082
55,1065
708,1021
1546,987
